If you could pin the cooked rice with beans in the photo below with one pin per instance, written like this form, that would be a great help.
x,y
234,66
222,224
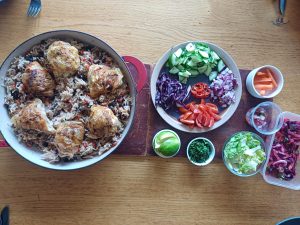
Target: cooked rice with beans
x,y
71,100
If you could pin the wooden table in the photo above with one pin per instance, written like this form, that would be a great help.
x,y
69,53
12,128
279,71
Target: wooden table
x,y
150,190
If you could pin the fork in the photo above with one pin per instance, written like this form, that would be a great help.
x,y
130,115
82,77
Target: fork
x,y
34,8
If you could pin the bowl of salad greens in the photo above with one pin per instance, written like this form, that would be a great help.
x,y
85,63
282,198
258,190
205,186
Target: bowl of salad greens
x,y
200,151
196,86
244,154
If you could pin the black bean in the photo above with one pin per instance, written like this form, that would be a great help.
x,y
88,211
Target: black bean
x,y
29,58
15,93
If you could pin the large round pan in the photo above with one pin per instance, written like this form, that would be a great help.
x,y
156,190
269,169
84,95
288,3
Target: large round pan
x,y
5,124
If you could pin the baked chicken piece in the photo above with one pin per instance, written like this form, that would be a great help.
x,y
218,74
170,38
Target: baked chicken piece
x,y
68,138
33,117
103,79
63,59
102,122
38,81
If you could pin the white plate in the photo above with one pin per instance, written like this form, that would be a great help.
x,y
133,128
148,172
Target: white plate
x,y
226,114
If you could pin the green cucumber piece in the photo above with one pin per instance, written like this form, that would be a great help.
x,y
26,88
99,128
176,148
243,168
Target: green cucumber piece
x,y
213,75
221,65
186,74
178,53
174,70
204,54
208,71
190,47
214,55
194,73
202,69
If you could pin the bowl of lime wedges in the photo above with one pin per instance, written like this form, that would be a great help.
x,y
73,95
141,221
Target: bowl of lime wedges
x,y
166,143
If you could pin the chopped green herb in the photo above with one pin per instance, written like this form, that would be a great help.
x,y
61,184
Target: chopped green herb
x,y
199,151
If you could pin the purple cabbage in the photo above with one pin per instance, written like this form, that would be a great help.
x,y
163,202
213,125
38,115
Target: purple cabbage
x,y
284,152
170,92
222,88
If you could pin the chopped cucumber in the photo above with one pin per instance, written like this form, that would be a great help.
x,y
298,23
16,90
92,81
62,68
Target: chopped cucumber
x,y
174,70
194,73
178,52
208,71
213,75
194,59
204,54
190,47
202,69
221,65
186,74
215,56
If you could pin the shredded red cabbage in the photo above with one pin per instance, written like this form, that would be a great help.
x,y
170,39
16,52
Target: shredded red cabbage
x,y
222,88
284,152
170,92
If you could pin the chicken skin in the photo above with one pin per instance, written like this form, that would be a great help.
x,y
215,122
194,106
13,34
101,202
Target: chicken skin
x,y
33,117
68,138
103,79
103,122
37,81
63,59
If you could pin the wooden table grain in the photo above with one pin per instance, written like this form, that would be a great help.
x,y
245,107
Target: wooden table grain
x,y
150,190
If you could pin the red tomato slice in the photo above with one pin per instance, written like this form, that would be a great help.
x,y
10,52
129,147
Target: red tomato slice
x,y
211,122
183,110
186,115
187,122
215,116
191,117
198,122
205,119
202,101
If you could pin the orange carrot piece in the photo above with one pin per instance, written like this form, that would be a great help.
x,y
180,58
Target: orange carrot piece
x,y
261,73
262,92
264,86
272,78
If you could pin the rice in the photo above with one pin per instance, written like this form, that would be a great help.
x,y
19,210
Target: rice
x,y
71,101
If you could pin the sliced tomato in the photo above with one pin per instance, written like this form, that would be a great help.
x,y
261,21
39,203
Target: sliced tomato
x,y
198,123
192,107
214,115
183,110
202,107
186,115
211,122
200,90
213,107
197,111
205,119
191,126
202,101
189,104
191,117
187,122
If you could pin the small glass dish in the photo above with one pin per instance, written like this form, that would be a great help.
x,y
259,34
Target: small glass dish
x,y
266,118
211,155
235,172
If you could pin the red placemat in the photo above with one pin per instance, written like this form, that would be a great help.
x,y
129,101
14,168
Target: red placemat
x,y
147,122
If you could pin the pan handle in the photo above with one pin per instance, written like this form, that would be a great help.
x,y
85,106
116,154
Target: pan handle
x,y
141,69
3,144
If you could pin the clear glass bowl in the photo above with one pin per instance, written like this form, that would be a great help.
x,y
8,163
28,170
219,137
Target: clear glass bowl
x,y
272,118
231,169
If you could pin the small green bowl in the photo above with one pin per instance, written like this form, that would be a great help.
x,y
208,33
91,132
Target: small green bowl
x,y
211,156
159,153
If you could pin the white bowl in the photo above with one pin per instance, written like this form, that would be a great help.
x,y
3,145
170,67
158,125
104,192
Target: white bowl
x,y
277,76
226,114
211,156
